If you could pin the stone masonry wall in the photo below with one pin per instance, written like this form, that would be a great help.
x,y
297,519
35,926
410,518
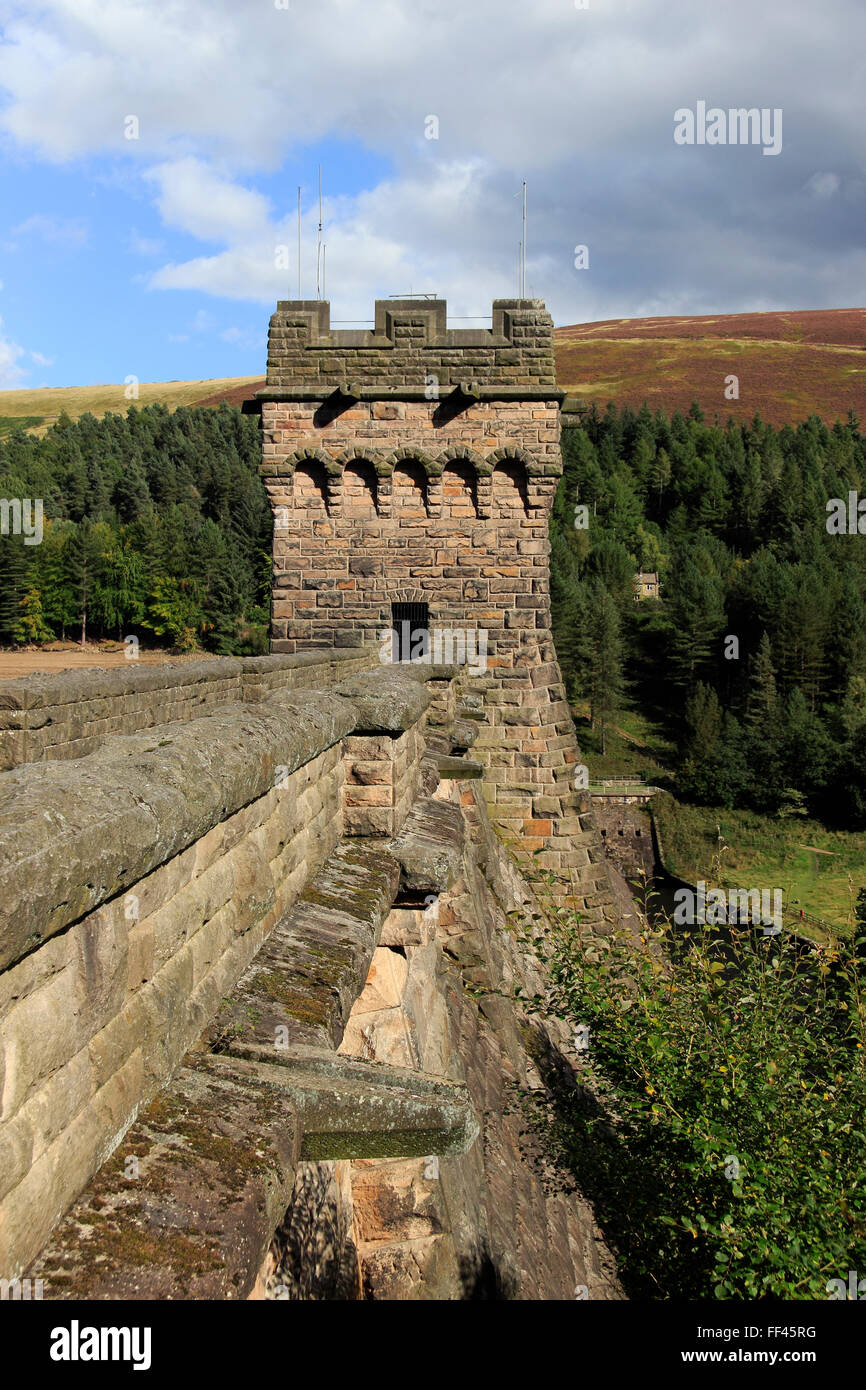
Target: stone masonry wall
x,y
500,1221
225,970
46,716
137,883
304,351
417,464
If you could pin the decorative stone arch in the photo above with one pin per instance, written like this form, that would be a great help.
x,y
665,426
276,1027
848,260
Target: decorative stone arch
x,y
312,483
359,499
331,465
383,466
459,453
432,467
417,466
509,485
357,451
511,453
459,487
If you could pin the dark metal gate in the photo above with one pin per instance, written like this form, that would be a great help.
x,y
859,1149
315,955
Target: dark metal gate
x,y
410,625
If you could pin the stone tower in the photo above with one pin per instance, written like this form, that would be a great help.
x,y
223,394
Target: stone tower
x,y
412,469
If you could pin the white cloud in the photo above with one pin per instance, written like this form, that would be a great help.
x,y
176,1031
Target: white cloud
x,y
56,231
581,103
523,85
195,198
11,375
145,246
377,238
246,339
824,185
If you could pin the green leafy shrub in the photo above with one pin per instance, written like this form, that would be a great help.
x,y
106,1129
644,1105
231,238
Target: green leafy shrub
x,y
720,1134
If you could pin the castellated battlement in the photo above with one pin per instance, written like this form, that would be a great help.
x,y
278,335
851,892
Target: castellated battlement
x,y
409,343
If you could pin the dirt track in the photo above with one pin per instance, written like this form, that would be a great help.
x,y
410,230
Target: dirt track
x,y
13,664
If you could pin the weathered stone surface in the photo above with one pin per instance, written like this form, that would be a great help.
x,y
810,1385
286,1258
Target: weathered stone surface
x,y
458,769
386,701
73,835
429,848
186,1205
463,733
302,984
72,713
358,1109
501,1221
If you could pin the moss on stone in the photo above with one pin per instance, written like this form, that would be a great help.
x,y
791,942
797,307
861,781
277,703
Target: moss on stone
x,y
115,1245
299,1004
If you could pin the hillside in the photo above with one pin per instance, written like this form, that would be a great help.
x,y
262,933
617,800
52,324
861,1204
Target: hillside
x,y
790,365
38,409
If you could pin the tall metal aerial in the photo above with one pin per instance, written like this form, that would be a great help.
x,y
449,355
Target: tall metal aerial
x,y
319,243
523,249
299,241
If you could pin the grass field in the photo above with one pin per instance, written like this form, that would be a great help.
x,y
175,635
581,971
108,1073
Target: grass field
x,y
40,408
634,746
817,869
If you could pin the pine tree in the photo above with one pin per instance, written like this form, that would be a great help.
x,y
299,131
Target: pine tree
x,y
605,659
31,626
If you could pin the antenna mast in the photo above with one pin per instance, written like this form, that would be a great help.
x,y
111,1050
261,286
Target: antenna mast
x,y
319,243
299,241
523,249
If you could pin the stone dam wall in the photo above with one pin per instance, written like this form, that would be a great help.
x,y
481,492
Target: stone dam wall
x,y
42,716
259,1026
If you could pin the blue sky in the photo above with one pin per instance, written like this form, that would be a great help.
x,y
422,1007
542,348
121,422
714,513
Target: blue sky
x,y
81,242
157,256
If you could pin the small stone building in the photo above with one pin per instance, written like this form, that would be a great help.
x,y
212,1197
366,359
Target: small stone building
x,y
646,585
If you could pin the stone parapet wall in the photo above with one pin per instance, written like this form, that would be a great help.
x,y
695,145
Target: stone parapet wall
x,y
137,883
72,713
364,1114
305,353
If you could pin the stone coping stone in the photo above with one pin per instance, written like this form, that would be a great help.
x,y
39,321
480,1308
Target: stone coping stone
x,y
216,1154
458,769
98,682
354,1108
302,984
75,834
388,701
430,845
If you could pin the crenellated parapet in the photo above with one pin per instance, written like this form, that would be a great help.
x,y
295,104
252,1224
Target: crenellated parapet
x,y
408,344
